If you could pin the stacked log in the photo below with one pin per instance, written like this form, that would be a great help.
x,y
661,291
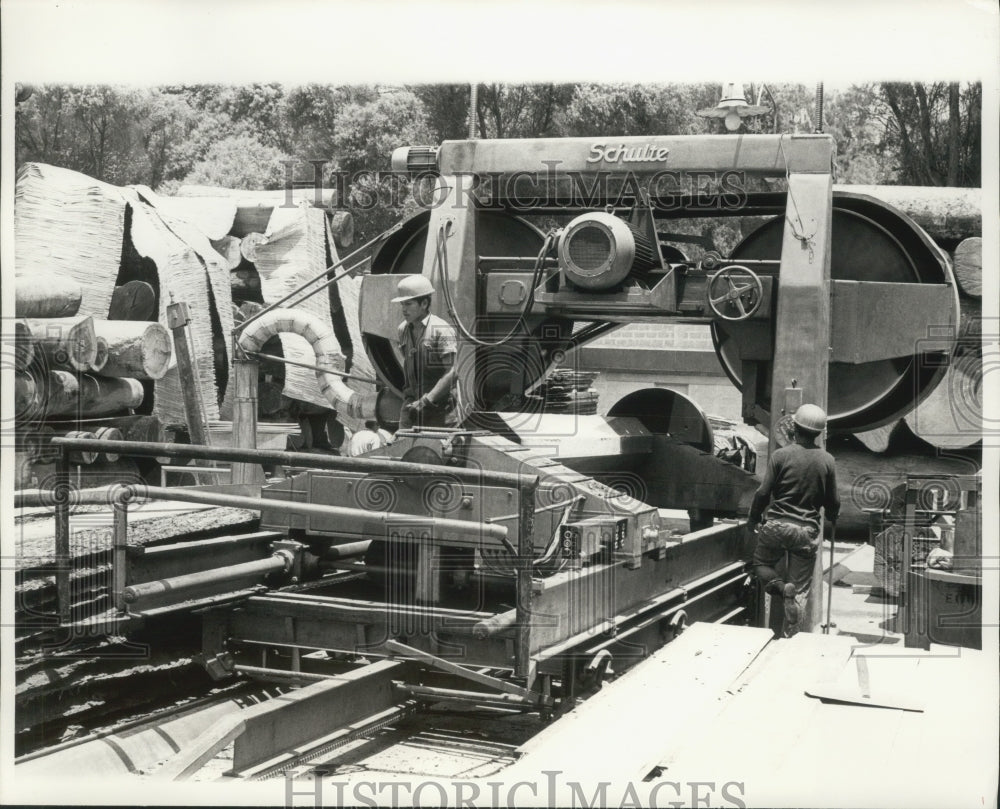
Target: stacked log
x,y
967,261
71,370
245,282
135,349
44,295
64,342
229,247
61,393
870,483
135,300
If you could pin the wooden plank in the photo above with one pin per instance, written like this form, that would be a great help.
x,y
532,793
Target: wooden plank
x,y
194,757
785,748
649,709
762,717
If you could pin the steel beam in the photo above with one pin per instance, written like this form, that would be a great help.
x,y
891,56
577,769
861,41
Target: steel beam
x,y
767,155
800,371
294,719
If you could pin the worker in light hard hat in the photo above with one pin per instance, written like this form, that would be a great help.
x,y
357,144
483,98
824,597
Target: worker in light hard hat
x,y
800,480
430,347
365,440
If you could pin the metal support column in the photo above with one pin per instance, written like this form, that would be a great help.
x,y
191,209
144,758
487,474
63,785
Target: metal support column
x,y
187,368
802,323
61,496
119,548
525,555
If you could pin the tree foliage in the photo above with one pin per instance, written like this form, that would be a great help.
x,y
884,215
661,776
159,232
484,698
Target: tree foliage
x,y
906,133
909,133
241,161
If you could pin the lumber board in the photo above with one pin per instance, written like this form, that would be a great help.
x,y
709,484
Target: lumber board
x,y
948,738
151,523
633,720
766,704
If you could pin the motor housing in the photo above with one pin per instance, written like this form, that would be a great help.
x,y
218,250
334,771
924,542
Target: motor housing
x,y
597,251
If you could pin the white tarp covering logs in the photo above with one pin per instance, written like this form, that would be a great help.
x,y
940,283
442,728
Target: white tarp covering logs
x,y
345,300
69,225
213,217
215,267
254,208
181,273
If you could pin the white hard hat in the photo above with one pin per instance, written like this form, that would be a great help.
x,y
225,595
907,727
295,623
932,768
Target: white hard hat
x,y
810,417
413,286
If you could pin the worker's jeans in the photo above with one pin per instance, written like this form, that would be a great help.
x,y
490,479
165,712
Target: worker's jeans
x,y
774,538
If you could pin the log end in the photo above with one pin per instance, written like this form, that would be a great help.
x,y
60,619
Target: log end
x,y
101,357
157,351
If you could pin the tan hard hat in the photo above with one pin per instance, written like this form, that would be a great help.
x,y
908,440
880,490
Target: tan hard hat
x,y
413,286
810,417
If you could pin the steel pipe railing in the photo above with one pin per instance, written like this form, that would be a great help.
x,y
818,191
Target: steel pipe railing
x,y
150,449
387,518
525,484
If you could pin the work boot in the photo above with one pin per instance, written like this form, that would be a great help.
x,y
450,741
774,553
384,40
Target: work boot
x,y
775,587
791,610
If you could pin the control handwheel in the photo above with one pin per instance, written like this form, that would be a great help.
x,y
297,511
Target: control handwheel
x,y
735,293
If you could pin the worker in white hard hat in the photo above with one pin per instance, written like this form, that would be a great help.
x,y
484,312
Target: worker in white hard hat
x,y
430,347
800,479
365,440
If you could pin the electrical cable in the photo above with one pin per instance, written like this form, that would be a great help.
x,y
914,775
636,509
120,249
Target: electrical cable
x,y
441,262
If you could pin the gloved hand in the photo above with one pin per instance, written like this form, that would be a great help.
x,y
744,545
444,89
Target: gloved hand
x,y
418,405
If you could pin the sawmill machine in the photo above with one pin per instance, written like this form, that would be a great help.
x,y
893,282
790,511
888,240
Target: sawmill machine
x,y
539,543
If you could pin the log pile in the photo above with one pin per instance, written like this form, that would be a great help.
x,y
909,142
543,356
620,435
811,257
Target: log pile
x,y
97,265
73,370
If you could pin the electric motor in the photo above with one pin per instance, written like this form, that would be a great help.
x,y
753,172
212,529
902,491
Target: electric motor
x,y
597,251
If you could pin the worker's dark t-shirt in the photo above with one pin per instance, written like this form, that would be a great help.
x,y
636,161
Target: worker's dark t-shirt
x,y
798,482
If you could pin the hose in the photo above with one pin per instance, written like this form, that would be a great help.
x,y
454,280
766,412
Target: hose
x,y
325,347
